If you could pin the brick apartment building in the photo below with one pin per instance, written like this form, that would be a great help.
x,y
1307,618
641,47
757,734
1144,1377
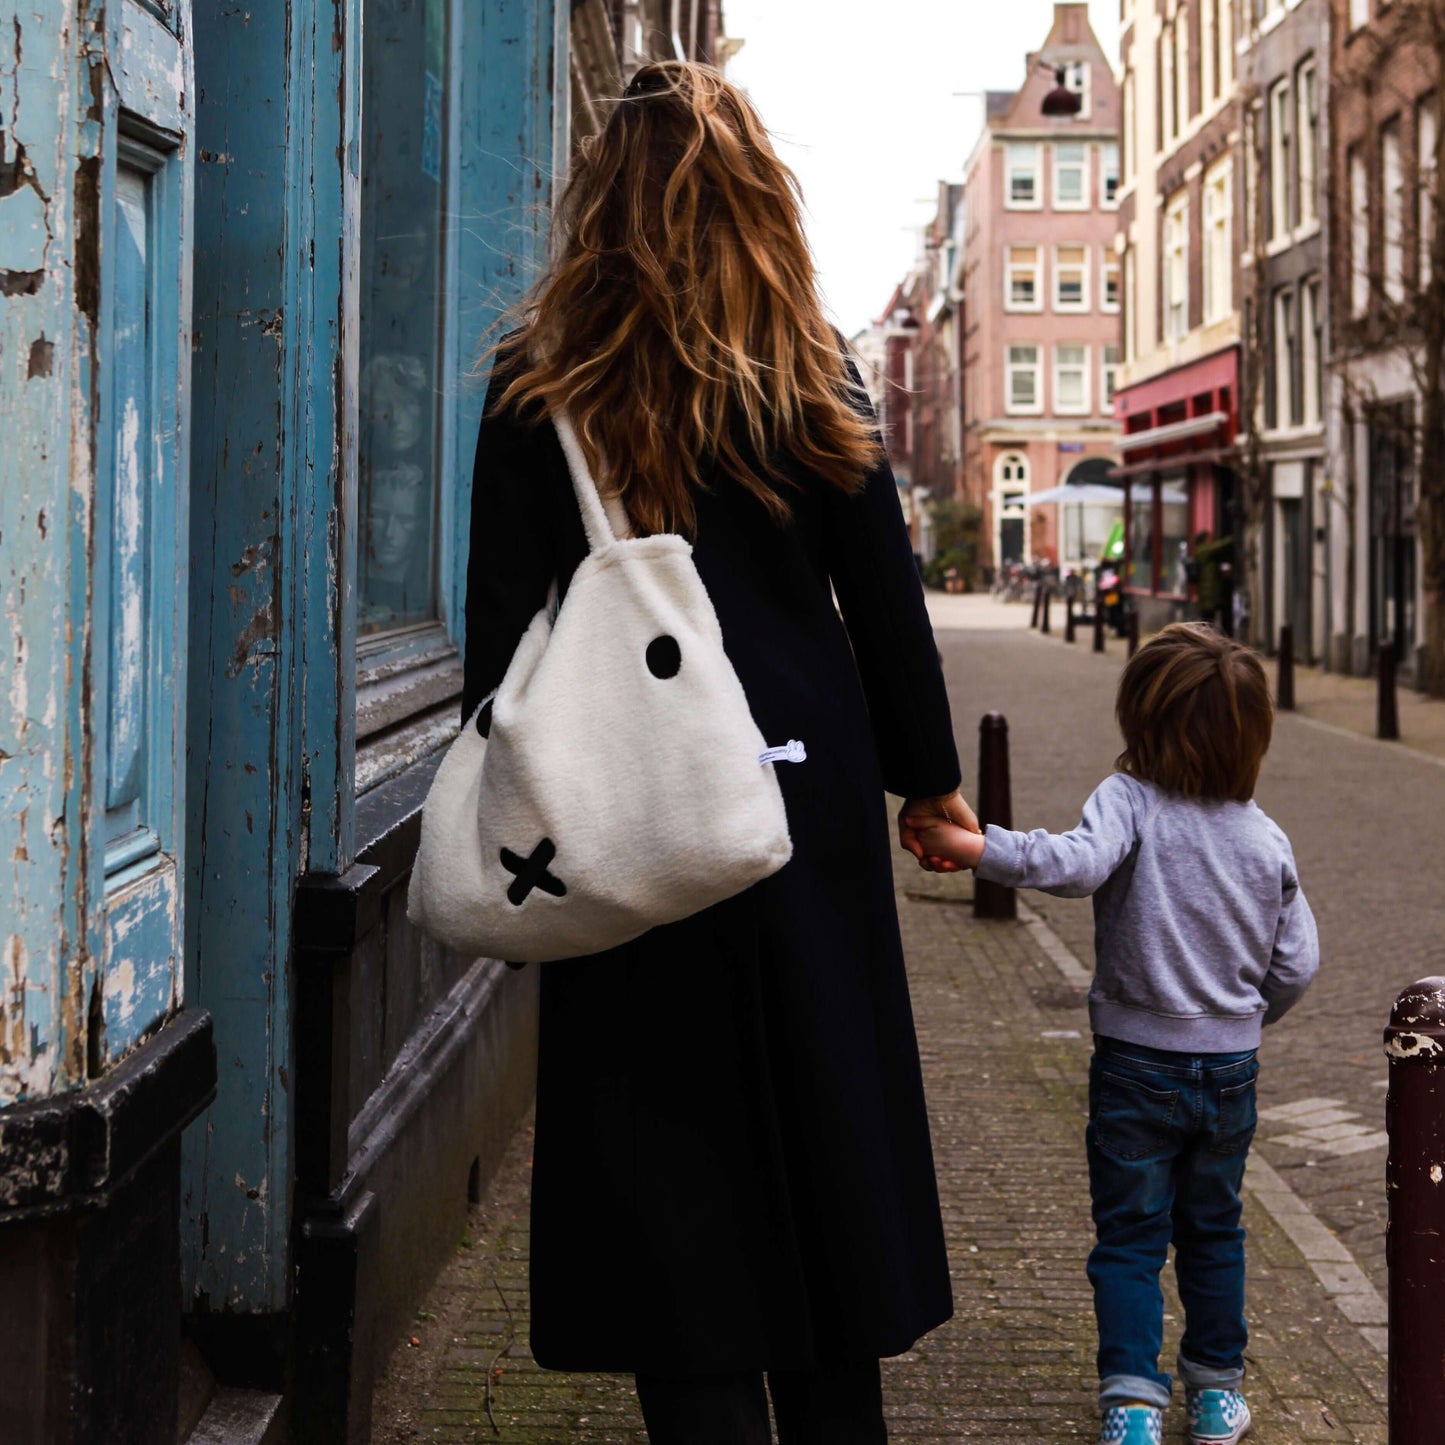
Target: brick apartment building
x,y
1041,296
1385,130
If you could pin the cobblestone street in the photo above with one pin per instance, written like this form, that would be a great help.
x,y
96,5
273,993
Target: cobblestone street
x,y
1004,1036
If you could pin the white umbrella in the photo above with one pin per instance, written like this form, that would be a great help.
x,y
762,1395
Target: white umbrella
x,y
1092,492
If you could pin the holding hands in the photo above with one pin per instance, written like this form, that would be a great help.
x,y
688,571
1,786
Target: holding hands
x,y
942,833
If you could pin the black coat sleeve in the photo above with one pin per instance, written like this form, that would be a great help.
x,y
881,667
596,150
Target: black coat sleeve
x,y
513,548
870,561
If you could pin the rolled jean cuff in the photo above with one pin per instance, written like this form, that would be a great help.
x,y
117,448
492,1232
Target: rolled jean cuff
x,y
1209,1377
1121,1389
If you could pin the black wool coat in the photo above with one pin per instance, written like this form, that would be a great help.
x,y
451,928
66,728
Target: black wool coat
x,y
732,1166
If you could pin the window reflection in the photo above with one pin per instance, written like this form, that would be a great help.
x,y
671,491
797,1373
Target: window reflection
x,y
404,105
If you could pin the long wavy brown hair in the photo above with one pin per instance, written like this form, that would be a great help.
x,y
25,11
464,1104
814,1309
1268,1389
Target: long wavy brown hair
x,y
680,319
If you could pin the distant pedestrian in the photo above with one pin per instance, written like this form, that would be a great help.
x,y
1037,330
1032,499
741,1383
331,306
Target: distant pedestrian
x,y
1203,936
732,1173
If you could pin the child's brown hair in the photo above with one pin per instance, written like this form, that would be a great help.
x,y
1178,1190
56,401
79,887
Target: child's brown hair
x,y
1196,714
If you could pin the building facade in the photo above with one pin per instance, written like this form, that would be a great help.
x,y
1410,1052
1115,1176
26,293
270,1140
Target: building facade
x,y
1180,239
243,1103
1385,126
1283,79
1041,292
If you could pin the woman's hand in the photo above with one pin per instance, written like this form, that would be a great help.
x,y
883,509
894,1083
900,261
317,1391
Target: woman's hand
x,y
918,813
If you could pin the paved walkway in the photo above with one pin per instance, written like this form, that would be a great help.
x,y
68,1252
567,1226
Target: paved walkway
x,y
1005,1044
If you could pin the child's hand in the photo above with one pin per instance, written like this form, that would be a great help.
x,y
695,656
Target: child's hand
x,y
948,845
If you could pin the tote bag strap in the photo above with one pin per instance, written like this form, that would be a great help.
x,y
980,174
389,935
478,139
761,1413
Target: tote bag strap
x,y
604,519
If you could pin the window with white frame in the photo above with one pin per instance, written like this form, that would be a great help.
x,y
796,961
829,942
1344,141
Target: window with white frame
x,y
1130,118
1025,393
1225,29
1251,179
1181,64
1071,278
1284,357
1108,370
1307,131
1168,93
1218,242
1359,234
1076,78
1071,379
1071,182
1109,174
1208,52
1131,306
1429,199
1392,181
1279,166
1311,348
1109,282
1359,13
1176,268
1023,278
1022,190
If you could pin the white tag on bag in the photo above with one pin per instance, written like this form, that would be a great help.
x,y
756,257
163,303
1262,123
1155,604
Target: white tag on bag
x,y
612,783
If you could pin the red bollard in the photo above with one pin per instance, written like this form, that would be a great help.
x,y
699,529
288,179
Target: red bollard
x,y
1132,617
1387,708
1068,617
1284,671
995,805
1098,624
1038,605
1044,620
1415,1189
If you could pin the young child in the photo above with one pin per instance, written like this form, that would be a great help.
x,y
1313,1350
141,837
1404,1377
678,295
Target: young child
x,y
1202,935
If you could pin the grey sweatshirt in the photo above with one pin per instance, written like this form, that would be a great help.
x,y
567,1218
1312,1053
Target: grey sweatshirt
x,y
1201,931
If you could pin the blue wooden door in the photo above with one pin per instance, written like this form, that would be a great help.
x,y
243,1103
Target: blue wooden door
x,y
138,631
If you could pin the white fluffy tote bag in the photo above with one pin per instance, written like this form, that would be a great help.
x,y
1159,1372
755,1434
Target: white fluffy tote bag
x,y
616,779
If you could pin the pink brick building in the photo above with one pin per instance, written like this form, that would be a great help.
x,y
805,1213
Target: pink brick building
x,y
1041,288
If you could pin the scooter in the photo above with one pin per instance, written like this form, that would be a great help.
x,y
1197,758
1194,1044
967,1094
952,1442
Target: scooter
x,y
1109,592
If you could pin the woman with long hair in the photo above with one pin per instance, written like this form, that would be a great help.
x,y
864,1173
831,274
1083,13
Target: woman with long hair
x,y
732,1174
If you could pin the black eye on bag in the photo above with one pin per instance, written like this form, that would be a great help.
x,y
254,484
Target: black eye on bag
x,y
484,719
664,657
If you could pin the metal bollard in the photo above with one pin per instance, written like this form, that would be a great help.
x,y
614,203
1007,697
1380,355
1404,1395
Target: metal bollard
x,y
1044,619
1387,707
1038,605
1068,617
995,805
1098,624
1415,1190
1132,623
1284,670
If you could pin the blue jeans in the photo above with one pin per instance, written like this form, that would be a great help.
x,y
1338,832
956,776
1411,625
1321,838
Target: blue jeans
x,y
1167,1140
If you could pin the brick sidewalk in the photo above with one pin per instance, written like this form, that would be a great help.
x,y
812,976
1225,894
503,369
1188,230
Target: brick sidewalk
x,y
1005,1048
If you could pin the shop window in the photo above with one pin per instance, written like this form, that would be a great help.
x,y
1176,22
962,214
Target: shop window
x,y
1173,539
405,103
1141,538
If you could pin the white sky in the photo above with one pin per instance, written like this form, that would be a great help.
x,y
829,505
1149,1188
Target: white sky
x,y
858,96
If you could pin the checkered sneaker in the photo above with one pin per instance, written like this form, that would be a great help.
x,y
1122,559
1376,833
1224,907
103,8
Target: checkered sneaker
x,y
1132,1425
1216,1417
